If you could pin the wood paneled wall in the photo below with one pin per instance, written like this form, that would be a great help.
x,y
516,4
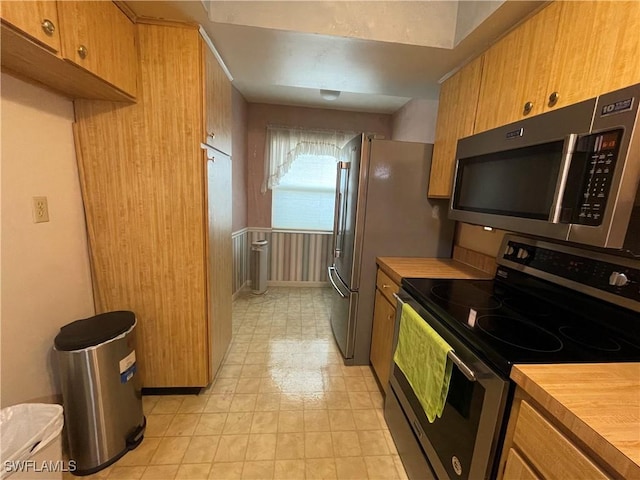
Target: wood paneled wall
x,y
143,188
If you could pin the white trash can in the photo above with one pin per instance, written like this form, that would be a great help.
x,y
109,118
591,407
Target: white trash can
x,y
30,442
259,250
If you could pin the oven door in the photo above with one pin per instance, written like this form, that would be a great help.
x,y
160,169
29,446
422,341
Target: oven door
x,y
463,442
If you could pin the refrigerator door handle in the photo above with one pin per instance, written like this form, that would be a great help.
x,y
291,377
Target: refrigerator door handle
x,y
336,213
335,287
339,212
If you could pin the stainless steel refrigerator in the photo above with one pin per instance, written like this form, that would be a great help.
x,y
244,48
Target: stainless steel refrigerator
x,y
381,209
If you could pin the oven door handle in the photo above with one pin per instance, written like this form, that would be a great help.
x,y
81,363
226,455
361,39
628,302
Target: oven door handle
x,y
466,371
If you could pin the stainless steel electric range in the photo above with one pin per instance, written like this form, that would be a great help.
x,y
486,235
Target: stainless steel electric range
x,y
548,303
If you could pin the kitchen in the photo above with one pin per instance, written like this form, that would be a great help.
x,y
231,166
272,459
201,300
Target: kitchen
x,y
256,215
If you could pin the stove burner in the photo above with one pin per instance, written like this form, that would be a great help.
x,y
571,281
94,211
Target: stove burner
x,y
592,338
527,306
519,333
466,296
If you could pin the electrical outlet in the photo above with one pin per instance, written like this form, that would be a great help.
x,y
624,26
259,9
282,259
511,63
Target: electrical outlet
x,y
40,210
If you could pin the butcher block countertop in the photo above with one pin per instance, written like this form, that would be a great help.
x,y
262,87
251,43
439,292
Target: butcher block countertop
x,y
598,403
398,268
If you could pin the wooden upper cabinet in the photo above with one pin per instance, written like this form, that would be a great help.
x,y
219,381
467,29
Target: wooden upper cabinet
x,y
456,117
218,103
100,38
596,50
516,72
562,55
37,19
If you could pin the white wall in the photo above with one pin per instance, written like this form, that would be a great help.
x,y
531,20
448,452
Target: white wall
x,y
46,280
471,14
415,121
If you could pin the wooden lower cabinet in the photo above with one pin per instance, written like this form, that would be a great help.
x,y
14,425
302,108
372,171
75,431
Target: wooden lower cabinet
x,y
517,468
384,315
536,448
159,212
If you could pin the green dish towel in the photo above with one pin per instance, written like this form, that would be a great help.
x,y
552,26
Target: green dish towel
x,y
421,354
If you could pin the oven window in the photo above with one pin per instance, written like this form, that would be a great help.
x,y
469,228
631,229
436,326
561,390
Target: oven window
x,y
517,183
460,396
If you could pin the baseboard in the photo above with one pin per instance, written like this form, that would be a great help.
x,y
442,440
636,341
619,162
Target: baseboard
x,y
245,286
283,283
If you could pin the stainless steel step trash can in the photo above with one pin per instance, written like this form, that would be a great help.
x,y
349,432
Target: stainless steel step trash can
x,y
100,389
259,266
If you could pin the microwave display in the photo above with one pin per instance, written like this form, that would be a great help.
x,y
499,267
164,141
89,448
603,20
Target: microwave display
x,y
518,183
609,141
592,169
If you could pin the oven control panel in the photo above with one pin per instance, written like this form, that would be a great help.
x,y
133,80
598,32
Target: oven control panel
x,y
621,279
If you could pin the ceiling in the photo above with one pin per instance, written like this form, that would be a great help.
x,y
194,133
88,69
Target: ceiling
x,y
378,54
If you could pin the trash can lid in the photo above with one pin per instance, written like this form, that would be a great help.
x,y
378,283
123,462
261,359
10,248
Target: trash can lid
x,y
93,331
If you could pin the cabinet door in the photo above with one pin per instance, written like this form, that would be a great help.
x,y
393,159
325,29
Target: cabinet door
x,y
517,469
596,50
218,104
515,73
220,255
456,116
549,451
382,338
98,37
624,69
38,19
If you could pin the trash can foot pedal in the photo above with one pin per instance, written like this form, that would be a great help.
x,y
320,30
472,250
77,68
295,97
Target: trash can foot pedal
x,y
137,436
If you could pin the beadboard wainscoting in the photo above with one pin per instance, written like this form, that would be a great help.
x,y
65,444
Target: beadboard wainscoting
x,y
294,258
241,247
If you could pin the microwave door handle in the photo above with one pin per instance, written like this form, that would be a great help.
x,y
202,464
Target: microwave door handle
x,y
466,371
568,150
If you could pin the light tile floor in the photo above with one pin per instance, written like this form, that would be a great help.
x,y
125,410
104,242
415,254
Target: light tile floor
x,y
283,406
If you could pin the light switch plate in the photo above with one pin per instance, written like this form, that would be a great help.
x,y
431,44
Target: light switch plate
x,y
40,210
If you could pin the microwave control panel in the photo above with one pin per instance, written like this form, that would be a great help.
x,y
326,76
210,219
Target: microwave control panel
x,y
599,154
620,280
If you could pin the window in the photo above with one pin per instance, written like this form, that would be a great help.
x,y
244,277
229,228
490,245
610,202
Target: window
x,y
300,170
304,198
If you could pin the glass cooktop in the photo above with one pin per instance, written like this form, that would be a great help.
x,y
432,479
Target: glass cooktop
x,y
543,323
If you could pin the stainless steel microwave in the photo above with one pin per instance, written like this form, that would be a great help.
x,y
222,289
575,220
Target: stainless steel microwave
x,y
570,174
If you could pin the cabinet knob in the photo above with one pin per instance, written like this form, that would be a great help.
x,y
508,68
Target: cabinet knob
x,y
48,27
527,108
385,285
553,98
83,52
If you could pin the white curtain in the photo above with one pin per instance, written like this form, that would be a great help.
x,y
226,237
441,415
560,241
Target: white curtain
x,y
284,144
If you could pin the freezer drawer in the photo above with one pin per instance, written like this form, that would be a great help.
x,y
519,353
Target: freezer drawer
x,y
343,314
